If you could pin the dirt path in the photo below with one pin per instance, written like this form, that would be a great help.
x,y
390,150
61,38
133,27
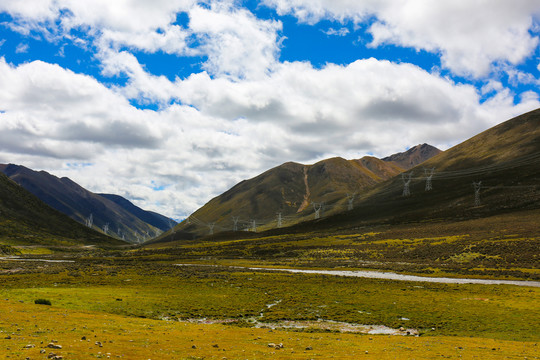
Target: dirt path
x,y
305,202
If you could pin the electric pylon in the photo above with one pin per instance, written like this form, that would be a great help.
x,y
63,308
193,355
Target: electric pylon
x,y
317,207
350,199
211,227
235,222
90,221
429,175
477,186
279,220
406,183
253,226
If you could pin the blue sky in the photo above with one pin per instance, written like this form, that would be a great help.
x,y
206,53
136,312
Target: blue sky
x,y
171,102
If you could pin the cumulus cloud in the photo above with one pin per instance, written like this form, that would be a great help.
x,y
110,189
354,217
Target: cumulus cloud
x,y
234,41
229,130
247,111
495,30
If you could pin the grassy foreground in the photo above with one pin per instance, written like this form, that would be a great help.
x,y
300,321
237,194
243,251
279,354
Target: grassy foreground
x,y
150,309
113,336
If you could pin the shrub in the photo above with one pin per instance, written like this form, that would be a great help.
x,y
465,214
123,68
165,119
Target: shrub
x,y
42,302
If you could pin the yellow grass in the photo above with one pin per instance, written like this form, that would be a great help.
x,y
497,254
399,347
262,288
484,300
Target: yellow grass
x,y
135,338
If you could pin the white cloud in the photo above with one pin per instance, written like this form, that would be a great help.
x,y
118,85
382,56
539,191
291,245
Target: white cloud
x,y
245,113
22,48
339,32
469,35
235,42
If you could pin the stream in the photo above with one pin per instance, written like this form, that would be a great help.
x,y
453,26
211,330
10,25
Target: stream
x,y
393,276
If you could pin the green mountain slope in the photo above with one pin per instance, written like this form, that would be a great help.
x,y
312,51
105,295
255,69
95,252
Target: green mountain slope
x,y
26,220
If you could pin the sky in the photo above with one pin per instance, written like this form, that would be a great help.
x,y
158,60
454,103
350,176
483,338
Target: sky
x,y
171,102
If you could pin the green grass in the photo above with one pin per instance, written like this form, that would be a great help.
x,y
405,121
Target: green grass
x,y
165,291
502,246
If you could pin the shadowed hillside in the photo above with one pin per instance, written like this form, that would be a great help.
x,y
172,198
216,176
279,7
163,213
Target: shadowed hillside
x,y
80,204
26,220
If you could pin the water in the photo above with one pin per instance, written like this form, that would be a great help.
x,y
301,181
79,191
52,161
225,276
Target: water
x,y
393,276
401,277
16,258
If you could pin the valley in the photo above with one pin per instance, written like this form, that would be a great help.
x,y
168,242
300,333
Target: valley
x,y
448,270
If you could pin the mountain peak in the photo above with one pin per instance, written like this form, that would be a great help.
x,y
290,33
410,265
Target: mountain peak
x,y
414,156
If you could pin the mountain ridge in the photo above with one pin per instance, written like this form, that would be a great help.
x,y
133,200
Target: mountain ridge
x,y
26,220
292,192
68,197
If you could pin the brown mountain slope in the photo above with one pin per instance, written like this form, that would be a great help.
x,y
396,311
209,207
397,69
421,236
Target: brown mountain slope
x,y
414,156
293,190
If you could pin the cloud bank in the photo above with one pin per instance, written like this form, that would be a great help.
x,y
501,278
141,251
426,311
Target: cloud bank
x,y
245,110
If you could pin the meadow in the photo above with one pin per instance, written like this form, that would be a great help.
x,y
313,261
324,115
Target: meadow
x,y
133,306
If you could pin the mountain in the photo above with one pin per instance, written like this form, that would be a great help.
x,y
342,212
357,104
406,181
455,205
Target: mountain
x,y
156,220
414,156
113,216
494,173
26,220
287,194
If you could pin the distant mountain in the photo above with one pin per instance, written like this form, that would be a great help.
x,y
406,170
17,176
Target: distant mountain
x,y
414,156
288,193
68,197
157,220
26,220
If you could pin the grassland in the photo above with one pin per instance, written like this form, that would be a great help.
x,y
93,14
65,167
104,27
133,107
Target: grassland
x,y
502,246
138,304
149,308
80,333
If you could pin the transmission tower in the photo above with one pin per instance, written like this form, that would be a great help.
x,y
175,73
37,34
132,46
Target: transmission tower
x,y
477,186
235,221
429,175
406,183
211,227
279,220
253,225
90,221
317,207
350,199
106,228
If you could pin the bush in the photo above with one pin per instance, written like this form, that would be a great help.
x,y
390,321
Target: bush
x,y
42,302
